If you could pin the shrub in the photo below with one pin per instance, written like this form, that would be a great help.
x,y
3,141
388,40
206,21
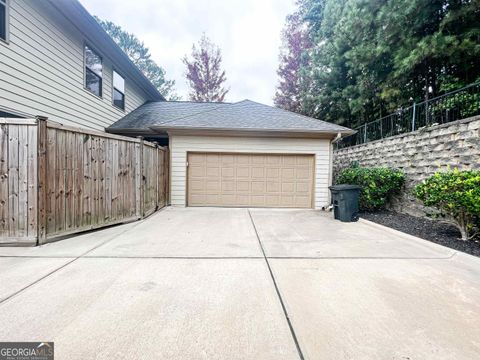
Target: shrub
x,y
456,194
378,185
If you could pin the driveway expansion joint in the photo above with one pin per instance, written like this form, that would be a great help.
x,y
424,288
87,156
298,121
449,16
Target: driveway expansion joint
x,y
285,312
11,296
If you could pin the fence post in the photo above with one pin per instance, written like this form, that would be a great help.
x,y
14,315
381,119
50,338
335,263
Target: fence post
x,y
426,112
41,180
166,169
413,117
365,133
157,157
142,182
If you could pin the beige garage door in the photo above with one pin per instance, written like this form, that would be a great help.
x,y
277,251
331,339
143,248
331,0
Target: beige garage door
x,y
263,180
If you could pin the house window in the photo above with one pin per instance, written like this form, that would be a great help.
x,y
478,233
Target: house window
x,y
4,19
93,72
118,90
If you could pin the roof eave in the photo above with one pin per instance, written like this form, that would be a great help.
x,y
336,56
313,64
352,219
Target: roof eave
x,y
252,132
133,131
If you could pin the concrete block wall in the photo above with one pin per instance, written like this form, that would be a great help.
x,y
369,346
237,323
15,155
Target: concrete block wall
x,y
418,154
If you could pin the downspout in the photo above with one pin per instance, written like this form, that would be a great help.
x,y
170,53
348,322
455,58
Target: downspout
x,y
330,173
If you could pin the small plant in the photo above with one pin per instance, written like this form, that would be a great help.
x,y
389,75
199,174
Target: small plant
x,y
456,194
378,185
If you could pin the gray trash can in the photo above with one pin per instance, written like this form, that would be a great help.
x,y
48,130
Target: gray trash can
x,y
345,202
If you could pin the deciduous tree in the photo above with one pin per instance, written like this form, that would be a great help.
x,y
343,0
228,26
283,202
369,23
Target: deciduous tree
x,y
204,73
293,54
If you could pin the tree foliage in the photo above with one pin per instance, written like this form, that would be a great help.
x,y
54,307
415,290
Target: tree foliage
x,y
204,73
457,195
295,42
140,55
368,57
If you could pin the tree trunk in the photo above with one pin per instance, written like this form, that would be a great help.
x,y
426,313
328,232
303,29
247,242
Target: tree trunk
x,y
463,226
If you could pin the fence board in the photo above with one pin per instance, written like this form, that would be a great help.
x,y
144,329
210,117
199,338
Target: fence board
x,y
32,181
4,204
13,153
58,180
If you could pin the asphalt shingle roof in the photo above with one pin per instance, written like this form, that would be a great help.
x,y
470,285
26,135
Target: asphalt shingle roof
x,y
156,113
243,115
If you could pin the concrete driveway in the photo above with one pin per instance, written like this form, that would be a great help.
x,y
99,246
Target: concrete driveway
x,y
210,283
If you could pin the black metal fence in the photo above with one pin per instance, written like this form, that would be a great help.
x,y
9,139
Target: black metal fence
x,y
455,105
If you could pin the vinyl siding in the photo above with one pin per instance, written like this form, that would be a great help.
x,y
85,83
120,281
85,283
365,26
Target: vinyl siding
x,y
42,71
180,145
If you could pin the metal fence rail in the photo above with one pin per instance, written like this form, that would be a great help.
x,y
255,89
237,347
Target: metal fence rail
x,y
455,105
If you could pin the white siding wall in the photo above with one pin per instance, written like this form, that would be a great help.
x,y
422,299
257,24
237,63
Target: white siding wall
x,y
180,145
41,71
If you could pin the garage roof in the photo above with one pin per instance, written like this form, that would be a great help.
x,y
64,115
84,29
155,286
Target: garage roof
x,y
245,115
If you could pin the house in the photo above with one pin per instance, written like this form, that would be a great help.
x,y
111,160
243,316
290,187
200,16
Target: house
x,y
56,61
240,154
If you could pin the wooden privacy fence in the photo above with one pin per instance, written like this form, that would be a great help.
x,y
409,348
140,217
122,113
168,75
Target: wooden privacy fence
x,y
57,180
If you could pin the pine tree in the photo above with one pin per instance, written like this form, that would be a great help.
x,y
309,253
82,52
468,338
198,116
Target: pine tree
x,y
140,55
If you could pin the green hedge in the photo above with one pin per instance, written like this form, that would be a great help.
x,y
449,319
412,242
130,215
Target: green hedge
x,y
378,185
456,194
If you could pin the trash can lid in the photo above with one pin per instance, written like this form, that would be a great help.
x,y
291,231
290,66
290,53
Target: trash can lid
x,y
345,187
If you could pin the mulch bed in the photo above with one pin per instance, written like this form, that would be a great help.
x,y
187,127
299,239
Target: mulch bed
x,y
434,231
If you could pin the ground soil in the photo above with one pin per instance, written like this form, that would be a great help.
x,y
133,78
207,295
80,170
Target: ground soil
x,y
431,230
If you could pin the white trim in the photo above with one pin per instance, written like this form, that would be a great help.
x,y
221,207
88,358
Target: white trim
x,y
7,21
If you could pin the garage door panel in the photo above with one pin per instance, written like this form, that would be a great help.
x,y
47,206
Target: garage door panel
x,y
273,186
243,186
288,187
212,171
198,185
227,159
197,158
212,186
303,173
228,172
302,187
243,172
302,160
258,172
302,201
242,200
197,199
271,180
258,159
288,173
257,200
242,159
228,186
272,200
289,160
287,200
272,173
212,158
198,171
273,160
258,187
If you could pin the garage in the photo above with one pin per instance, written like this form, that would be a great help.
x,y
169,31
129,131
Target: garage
x,y
242,154
253,180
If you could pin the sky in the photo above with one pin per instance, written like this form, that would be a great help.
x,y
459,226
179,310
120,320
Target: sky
x,y
247,31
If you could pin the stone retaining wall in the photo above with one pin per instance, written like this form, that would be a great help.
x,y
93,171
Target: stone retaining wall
x,y
419,154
